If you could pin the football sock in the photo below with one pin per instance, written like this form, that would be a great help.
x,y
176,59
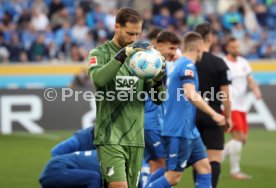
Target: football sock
x,y
225,152
203,181
157,174
215,173
161,182
235,149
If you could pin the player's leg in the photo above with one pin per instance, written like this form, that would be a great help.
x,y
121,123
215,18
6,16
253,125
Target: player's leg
x,y
214,157
233,148
67,146
133,165
73,178
201,165
113,165
213,138
154,150
177,151
214,144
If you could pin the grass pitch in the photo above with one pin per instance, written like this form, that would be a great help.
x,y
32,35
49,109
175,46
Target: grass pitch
x,y
23,157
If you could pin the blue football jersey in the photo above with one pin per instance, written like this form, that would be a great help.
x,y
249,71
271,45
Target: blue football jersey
x,y
179,113
153,117
87,160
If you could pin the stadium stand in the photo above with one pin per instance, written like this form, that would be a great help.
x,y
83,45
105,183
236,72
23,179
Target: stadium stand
x,y
65,30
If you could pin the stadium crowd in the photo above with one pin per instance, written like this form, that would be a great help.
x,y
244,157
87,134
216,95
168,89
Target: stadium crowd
x,y
65,30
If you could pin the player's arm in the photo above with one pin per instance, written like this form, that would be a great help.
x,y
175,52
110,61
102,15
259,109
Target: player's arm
x,y
195,98
73,143
226,102
67,146
254,87
224,78
100,72
101,75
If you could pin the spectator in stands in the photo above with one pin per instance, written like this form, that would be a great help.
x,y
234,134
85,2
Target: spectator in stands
x,y
65,48
40,5
231,17
89,43
95,17
164,19
59,18
24,20
75,53
15,48
271,18
250,19
55,7
246,20
79,31
52,51
4,53
39,20
238,31
28,36
39,51
195,14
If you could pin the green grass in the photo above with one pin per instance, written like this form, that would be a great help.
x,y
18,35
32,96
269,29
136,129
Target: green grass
x,y
23,156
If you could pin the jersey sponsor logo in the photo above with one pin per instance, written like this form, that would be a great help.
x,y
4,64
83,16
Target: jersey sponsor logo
x,y
190,65
156,144
93,61
189,73
184,164
110,171
173,155
125,83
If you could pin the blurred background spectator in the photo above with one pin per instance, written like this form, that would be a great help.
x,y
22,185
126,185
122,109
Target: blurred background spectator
x,y
66,30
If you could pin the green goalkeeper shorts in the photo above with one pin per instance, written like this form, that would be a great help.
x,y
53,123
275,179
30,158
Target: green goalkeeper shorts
x,y
120,163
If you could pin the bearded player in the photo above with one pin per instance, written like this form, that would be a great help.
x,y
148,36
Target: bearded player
x,y
119,131
241,79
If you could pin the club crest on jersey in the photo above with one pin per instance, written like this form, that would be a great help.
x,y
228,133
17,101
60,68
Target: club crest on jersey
x,y
125,83
189,73
93,61
110,171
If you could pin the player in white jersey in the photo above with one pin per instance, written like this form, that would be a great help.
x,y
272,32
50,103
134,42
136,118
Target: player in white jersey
x,y
240,72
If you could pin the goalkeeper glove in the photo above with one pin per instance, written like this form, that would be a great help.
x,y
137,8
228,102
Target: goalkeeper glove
x,y
130,49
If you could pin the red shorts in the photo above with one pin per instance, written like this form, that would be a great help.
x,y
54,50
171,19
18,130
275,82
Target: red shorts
x,y
239,121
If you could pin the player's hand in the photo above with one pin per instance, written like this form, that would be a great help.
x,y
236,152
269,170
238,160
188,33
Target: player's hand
x,y
228,124
137,46
219,119
130,49
162,73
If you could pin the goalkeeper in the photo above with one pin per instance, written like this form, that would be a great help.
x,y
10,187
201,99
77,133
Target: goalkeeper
x,y
119,131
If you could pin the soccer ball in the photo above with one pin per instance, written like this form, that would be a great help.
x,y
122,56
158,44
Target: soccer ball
x,y
146,64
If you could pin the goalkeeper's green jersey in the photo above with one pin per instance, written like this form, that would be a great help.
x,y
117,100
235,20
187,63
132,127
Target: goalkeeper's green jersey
x,y
117,122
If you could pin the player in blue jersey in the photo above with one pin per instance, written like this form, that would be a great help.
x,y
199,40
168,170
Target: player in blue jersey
x,y
82,140
183,145
74,170
166,43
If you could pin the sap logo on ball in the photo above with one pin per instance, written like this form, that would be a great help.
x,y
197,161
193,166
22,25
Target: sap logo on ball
x,y
125,82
